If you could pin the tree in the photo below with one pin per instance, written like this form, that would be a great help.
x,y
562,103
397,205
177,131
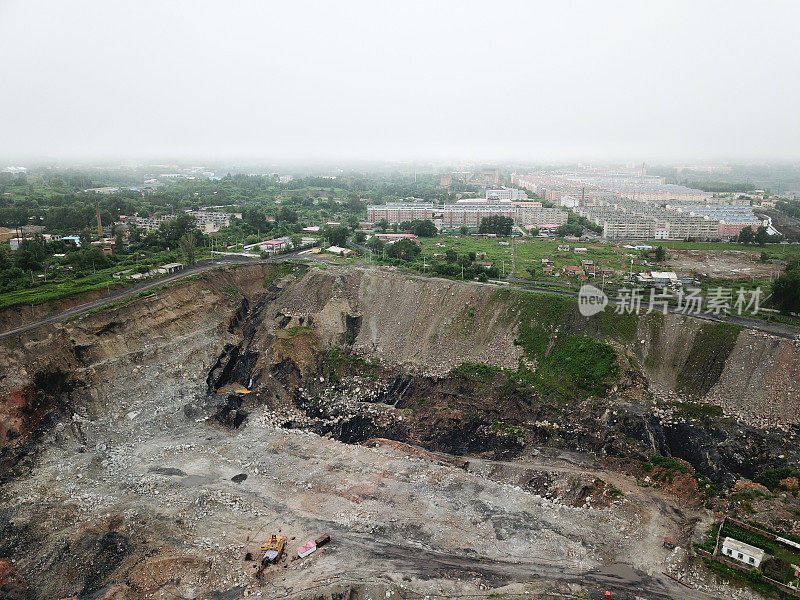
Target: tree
x,y
376,244
30,255
535,231
297,241
497,225
171,231
464,230
86,259
404,249
761,236
336,236
256,218
359,237
187,244
355,205
786,291
119,243
746,235
286,215
85,238
450,256
383,224
570,229
661,254
420,228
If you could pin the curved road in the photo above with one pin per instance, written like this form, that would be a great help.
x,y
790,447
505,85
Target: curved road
x,y
777,329
773,328
128,292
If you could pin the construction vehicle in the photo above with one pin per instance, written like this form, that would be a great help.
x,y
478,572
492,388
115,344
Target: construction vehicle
x,y
271,552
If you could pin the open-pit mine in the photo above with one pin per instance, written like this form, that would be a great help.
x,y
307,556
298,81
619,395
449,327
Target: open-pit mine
x,y
411,437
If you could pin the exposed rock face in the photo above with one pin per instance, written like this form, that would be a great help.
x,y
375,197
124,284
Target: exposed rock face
x,y
352,354
276,336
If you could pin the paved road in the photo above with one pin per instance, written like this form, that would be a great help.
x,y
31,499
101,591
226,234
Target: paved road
x,y
777,329
128,292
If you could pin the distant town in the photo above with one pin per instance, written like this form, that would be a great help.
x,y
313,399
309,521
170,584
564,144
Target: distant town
x,y
619,225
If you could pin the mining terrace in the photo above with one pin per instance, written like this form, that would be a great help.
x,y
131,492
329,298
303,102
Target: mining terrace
x,y
455,440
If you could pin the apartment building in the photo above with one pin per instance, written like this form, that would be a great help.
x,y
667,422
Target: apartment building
x,y
505,193
398,212
630,219
540,217
471,215
211,222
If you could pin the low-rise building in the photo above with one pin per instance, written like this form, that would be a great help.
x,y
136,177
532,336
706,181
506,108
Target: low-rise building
x,y
391,238
505,193
274,246
741,552
338,250
171,268
572,271
664,277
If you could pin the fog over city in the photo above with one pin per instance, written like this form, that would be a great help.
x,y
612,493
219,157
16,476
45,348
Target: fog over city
x,y
410,80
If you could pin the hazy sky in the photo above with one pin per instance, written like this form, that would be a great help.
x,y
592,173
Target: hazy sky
x,y
369,79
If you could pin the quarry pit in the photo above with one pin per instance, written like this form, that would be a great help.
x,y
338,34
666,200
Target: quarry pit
x,y
453,439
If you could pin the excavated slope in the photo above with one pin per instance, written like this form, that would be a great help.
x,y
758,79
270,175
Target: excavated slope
x,y
115,473
427,326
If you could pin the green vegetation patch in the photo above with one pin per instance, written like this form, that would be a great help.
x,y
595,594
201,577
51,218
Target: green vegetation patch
x,y
291,332
337,361
569,366
669,463
621,327
578,362
285,268
56,290
695,410
480,371
771,478
503,428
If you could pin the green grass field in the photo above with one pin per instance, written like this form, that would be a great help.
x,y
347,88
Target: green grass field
x,y
779,251
530,251
55,290
63,284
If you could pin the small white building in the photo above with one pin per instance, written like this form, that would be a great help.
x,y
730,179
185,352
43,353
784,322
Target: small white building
x,y
664,277
741,552
171,268
340,251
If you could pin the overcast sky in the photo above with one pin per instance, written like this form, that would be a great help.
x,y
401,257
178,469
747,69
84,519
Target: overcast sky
x,y
400,80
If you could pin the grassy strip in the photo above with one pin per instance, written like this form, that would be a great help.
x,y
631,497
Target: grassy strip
x,y
57,290
284,269
143,294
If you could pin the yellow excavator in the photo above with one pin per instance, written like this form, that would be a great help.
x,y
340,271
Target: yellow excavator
x,y
271,552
